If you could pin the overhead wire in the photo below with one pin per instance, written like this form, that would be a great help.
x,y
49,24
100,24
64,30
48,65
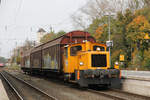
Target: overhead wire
x,y
18,10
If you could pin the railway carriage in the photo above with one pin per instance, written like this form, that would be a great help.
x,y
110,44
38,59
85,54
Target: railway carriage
x,y
2,65
74,56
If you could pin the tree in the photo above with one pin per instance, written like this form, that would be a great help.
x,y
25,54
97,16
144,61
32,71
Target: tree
x,y
146,3
28,44
18,60
2,60
144,12
47,37
51,36
138,28
99,28
128,27
96,9
60,33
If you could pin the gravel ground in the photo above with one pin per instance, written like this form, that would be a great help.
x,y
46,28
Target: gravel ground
x,y
59,90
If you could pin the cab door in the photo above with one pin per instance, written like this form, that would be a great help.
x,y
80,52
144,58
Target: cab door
x,y
73,57
70,57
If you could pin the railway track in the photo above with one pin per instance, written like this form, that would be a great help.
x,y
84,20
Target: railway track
x,y
114,94
114,97
109,93
11,90
24,90
119,95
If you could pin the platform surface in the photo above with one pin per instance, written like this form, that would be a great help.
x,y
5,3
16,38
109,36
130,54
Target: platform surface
x,y
145,75
3,94
137,82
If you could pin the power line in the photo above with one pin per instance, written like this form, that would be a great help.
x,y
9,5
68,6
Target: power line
x,y
18,9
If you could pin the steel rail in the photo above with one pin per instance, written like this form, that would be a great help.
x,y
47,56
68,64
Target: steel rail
x,y
91,90
116,97
13,88
33,87
136,95
106,94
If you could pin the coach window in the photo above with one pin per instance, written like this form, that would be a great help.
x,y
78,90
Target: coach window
x,y
100,48
74,50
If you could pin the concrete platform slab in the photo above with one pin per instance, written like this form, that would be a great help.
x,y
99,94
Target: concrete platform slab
x,y
137,82
3,94
137,74
136,86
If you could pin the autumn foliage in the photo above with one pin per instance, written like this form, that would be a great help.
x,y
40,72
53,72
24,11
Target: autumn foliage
x,y
138,28
99,31
130,34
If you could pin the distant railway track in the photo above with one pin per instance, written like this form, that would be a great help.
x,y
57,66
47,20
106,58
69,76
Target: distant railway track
x,y
120,95
12,90
24,90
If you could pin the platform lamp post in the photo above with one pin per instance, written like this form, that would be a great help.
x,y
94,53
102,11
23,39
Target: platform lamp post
x,y
109,43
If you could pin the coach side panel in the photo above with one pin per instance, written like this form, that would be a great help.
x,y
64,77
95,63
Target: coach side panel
x,y
51,58
36,60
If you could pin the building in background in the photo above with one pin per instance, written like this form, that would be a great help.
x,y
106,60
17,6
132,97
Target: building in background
x,y
40,33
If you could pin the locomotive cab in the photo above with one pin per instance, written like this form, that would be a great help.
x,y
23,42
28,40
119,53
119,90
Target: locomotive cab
x,y
88,64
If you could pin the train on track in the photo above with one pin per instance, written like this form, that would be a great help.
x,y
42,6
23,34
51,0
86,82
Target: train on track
x,y
2,65
74,56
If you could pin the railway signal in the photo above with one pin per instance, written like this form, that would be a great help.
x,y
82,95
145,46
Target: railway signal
x,y
146,36
109,44
121,57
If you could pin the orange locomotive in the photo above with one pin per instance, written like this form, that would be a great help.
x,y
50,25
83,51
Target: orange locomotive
x,y
73,56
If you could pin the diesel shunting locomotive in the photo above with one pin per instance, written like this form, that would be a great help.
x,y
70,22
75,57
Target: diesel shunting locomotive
x,y
74,56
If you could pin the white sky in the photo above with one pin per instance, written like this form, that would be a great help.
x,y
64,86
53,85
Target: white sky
x,y
20,19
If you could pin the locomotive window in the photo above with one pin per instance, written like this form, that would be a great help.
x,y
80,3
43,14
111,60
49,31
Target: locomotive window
x,y
98,47
107,49
74,50
66,52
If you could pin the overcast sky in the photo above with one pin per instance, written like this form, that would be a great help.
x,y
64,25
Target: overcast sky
x,y
20,19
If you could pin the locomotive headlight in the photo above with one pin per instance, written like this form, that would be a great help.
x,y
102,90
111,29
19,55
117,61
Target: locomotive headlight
x,y
81,63
98,49
116,63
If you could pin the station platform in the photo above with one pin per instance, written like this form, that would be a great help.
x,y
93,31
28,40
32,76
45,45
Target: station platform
x,y
137,82
141,75
3,94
